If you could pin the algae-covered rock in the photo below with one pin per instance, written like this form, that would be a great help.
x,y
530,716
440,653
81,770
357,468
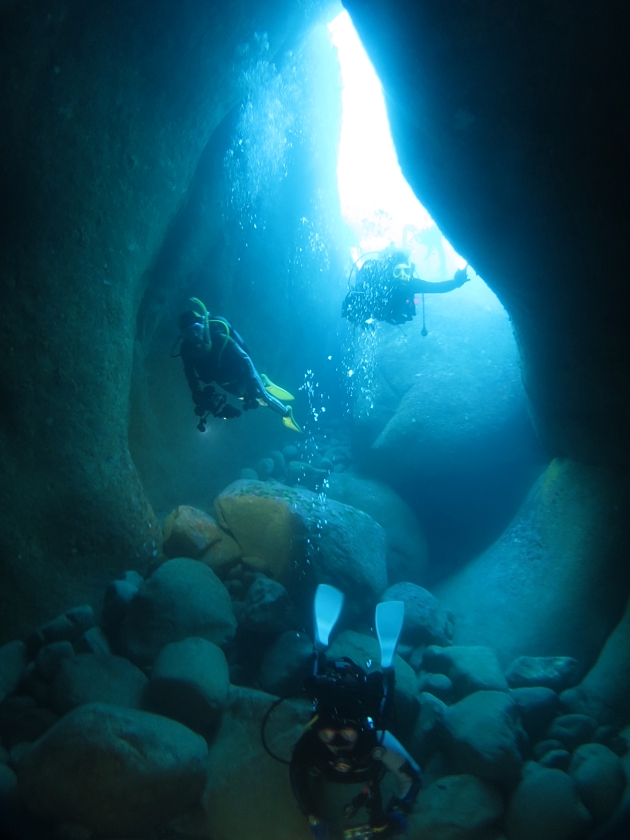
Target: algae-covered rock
x,y
113,770
190,532
300,539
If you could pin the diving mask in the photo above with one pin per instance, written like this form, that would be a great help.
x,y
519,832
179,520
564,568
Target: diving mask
x,y
403,271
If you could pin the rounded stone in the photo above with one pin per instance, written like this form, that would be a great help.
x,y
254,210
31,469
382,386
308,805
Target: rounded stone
x,y
189,683
182,598
116,771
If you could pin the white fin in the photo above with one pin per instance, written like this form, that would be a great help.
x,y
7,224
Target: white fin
x,y
389,622
327,607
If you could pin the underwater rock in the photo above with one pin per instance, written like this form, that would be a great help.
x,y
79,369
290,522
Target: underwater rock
x,y
12,665
189,683
604,693
543,747
190,532
365,652
443,401
143,770
93,640
556,759
556,580
300,540
248,794
546,806
572,730
407,554
66,627
266,468
308,475
267,607
455,808
538,706
22,721
182,598
286,663
428,731
599,778
426,621
118,595
49,658
470,668
439,685
485,735
556,672
97,678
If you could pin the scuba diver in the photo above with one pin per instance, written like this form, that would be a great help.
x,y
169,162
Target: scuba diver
x,y
346,740
383,289
213,352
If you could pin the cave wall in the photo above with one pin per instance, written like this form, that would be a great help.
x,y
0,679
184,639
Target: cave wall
x,y
511,122
106,110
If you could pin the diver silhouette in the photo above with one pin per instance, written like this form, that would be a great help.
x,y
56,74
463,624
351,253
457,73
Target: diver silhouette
x,y
346,741
213,352
384,286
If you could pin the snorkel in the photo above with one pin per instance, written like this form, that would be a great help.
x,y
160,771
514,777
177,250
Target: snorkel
x,y
205,318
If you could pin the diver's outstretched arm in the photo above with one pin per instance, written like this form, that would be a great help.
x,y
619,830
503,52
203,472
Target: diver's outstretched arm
x,y
425,287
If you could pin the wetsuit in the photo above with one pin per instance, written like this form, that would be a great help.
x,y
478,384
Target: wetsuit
x,y
225,362
374,754
378,296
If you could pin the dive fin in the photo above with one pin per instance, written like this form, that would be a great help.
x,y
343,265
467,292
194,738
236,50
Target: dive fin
x,y
289,422
327,607
276,390
389,622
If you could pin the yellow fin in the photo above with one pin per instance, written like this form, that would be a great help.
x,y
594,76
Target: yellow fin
x,y
289,422
276,390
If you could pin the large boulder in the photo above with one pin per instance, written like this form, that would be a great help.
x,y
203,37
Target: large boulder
x,y
426,621
485,736
556,581
248,793
182,598
604,692
455,808
546,806
444,401
190,532
190,683
12,665
469,668
97,678
407,555
301,539
599,779
112,770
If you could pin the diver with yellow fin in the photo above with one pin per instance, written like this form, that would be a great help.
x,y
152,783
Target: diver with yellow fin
x,y
213,352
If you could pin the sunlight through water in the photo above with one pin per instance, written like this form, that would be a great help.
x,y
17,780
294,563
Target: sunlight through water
x,y
376,200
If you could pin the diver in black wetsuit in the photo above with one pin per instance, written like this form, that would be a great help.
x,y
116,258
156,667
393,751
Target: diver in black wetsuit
x,y
344,743
213,352
384,289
